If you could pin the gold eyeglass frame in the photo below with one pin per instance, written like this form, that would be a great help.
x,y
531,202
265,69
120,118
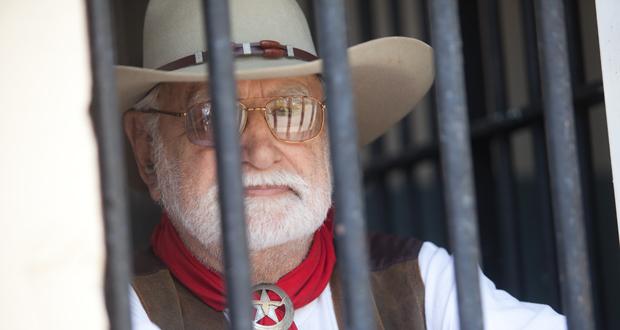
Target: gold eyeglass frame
x,y
321,104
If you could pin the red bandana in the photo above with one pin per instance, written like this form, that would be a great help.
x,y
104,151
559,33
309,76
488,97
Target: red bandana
x,y
303,284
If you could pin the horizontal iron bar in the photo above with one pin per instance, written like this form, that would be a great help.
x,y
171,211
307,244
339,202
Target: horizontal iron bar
x,y
483,128
228,156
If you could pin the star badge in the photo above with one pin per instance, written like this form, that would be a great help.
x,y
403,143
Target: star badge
x,y
266,307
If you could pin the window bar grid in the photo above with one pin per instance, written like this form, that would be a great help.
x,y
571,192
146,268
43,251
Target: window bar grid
x,y
228,156
350,230
566,196
107,124
456,159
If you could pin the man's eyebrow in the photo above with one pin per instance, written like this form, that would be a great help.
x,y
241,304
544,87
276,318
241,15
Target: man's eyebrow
x,y
198,93
201,94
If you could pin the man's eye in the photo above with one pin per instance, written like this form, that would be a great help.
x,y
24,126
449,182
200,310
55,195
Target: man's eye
x,y
281,111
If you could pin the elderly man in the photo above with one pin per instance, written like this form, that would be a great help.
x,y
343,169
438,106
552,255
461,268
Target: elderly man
x,y
285,163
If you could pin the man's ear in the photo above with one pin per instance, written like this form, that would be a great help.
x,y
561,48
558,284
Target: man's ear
x,y
141,144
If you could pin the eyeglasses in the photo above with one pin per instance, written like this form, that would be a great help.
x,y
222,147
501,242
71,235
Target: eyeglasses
x,y
291,119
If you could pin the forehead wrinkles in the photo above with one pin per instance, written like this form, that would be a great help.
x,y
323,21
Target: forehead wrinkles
x,y
291,86
271,88
199,92
275,87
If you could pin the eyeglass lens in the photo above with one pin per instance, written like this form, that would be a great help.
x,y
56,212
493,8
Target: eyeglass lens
x,y
290,119
294,118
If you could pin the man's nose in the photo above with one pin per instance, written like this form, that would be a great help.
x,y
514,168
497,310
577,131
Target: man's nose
x,y
258,146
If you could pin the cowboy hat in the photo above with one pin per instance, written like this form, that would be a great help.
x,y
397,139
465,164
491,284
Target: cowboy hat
x,y
272,40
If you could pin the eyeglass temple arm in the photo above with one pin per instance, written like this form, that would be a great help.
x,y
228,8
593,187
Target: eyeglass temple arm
x,y
169,113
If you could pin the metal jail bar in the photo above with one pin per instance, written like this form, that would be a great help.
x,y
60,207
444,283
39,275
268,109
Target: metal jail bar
x,y
350,228
500,148
543,191
565,186
107,124
230,189
584,154
456,160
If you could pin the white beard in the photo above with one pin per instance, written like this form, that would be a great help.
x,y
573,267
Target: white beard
x,y
270,221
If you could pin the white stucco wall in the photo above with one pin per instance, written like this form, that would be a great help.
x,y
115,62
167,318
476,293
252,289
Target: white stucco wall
x,y
608,16
51,245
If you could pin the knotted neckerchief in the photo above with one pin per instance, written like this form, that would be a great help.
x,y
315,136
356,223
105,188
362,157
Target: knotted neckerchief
x,y
303,284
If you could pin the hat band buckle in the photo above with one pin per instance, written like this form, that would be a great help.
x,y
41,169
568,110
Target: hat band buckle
x,y
269,49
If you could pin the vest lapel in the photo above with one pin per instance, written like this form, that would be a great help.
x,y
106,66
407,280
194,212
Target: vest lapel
x,y
159,297
198,315
338,301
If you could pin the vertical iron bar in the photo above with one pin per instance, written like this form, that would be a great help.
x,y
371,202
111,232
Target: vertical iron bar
x,y
404,130
107,122
432,94
584,153
542,199
350,227
456,158
230,189
471,32
563,164
398,28
504,182
381,27
440,216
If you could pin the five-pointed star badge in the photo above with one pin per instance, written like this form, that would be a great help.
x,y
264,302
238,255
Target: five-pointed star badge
x,y
266,307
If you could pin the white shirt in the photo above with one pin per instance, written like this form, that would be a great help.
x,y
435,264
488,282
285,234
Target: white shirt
x,y
500,310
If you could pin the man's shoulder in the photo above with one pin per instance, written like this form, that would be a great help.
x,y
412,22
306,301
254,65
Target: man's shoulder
x,y
387,250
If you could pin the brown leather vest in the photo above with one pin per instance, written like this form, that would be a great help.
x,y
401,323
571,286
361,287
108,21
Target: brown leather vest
x,y
397,287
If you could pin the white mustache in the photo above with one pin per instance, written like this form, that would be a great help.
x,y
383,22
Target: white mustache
x,y
277,178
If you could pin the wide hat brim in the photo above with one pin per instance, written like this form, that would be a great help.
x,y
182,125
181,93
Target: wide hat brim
x,y
389,77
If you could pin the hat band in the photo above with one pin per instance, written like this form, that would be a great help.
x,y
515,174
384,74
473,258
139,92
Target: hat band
x,y
264,48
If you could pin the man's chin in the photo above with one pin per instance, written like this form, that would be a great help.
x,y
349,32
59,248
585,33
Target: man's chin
x,y
256,244
278,206
278,230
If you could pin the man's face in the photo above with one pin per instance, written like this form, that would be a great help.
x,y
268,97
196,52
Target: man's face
x,y
287,185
